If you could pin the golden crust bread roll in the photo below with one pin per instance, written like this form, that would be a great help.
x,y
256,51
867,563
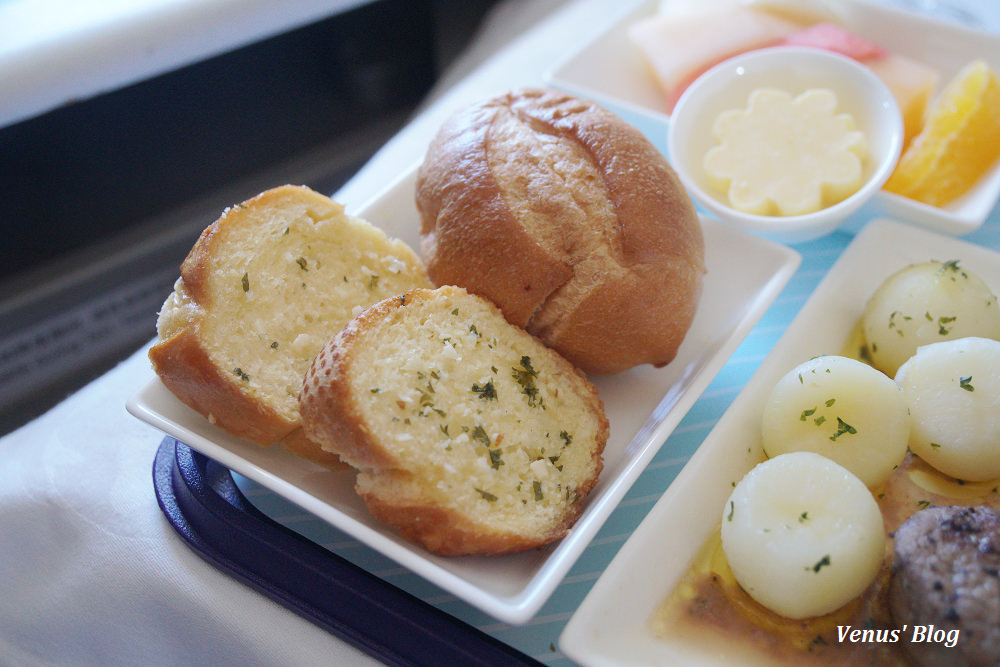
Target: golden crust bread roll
x,y
568,219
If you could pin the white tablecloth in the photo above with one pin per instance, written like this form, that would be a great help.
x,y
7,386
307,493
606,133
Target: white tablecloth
x,y
91,573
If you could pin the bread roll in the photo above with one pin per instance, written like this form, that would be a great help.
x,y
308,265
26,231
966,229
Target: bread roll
x,y
568,219
263,288
470,436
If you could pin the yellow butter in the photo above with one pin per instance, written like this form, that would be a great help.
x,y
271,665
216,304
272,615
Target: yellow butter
x,y
782,156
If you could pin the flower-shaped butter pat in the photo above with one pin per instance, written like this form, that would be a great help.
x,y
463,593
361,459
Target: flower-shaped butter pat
x,y
783,156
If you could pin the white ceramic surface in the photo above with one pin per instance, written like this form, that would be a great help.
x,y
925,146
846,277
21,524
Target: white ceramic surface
x,y
745,275
793,70
611,625
611,71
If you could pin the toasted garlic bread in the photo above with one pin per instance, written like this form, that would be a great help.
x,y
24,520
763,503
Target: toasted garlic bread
x,y
261,291
470,436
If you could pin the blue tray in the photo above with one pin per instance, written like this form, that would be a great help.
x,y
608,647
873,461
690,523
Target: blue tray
x,y
204,505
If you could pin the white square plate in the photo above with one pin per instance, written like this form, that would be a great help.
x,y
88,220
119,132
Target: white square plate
x,y
611,626
610,71
745,275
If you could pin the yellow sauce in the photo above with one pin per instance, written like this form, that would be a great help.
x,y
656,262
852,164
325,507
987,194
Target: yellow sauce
x,y
709,607
709,604
856,348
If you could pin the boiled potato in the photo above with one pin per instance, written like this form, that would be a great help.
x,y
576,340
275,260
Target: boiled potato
x,y
953,393
926,303
802,535
842,409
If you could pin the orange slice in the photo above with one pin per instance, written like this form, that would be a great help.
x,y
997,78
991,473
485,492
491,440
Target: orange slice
x,y
959,141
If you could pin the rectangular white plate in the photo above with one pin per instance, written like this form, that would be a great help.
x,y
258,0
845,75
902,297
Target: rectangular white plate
x,y
745,275
610,71
611,627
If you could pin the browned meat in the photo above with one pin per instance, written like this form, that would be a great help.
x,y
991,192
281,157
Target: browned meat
x,y
946,574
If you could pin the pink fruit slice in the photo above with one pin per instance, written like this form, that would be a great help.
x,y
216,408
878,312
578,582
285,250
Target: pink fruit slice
x,y
831,37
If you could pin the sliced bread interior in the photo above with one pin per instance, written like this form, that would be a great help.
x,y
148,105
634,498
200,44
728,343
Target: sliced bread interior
x,y
470,436
261,291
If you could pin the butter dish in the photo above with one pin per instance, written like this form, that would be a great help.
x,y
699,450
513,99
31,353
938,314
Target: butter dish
x,y
796,72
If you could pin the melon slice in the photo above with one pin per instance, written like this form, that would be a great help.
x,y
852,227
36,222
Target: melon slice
x,y
680,47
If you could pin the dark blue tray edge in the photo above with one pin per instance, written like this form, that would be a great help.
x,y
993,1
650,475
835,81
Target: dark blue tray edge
x,y
202,502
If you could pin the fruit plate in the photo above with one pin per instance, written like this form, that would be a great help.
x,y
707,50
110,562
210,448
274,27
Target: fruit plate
x,y
611,626
745,275
610,71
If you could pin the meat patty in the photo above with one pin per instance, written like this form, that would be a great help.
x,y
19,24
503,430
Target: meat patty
x,y
946,572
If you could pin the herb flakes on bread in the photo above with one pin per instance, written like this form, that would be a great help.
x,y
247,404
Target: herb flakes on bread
x,y
469,435
263,288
